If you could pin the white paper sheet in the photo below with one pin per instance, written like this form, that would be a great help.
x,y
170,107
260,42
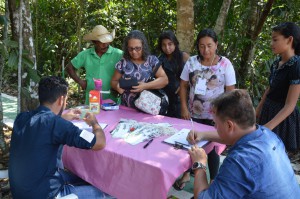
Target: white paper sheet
x,y
82,125
180,138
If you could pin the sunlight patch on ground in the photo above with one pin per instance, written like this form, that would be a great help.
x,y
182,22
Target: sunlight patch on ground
x,y
9,104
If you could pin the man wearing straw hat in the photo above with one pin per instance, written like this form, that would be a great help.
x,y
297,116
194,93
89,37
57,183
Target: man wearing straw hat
x,y
99,62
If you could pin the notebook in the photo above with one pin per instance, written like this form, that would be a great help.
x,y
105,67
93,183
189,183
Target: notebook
x,y
179,139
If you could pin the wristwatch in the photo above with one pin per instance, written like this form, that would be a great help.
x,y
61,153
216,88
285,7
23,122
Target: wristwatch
x,y
198,165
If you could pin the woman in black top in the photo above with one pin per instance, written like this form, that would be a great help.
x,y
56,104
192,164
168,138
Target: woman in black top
x,y
278,109
172,60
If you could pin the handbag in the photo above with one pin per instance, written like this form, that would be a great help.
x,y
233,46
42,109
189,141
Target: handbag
x,y
154,101
128,82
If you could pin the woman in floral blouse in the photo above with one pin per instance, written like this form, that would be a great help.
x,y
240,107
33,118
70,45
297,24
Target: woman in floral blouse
x,y
204,77
138,64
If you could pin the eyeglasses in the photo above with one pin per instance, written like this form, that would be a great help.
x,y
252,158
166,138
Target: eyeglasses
x,y
137,49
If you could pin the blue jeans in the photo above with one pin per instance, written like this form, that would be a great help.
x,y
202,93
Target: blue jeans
x,y
79,187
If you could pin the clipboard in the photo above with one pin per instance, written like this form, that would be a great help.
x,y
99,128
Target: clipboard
x,y
178,140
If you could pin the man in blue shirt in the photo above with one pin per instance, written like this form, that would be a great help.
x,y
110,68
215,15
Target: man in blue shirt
x,y
35,142
256,165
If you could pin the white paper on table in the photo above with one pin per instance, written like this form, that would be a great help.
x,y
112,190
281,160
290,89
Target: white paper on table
x,y
83,125
136,139
134,132
163,124
180,138
121,131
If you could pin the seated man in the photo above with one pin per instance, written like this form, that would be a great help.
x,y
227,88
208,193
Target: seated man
x,y
36,139
256,165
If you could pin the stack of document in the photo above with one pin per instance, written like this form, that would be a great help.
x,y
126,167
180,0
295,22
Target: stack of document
x,y
134,132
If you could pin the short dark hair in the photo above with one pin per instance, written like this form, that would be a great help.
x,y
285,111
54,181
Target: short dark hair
x,y
136,34
51,88
235,105
288,29
205,33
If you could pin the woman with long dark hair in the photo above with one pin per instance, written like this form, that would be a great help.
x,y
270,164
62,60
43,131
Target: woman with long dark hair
x,y
172,60
278,109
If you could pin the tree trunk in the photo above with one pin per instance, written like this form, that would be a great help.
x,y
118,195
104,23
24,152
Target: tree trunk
x,y
185,24
79,23
3,145
254,26
20,69
78,32
28,92
220,23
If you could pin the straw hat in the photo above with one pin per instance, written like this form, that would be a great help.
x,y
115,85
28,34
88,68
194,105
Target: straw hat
x,y
100,33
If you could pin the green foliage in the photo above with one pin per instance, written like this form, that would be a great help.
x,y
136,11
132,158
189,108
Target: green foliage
x,y
56,22
233,40
55,25
10,53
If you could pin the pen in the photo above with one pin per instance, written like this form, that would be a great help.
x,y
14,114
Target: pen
x,y
193,129
192,124
179,143
149,142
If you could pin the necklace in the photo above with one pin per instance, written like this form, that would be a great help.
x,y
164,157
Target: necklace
x,y
210,62
213,60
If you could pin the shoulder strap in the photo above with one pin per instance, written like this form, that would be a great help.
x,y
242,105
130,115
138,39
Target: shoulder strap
x,y
155,69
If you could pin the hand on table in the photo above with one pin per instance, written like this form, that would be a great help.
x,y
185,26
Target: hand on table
x,y
185,114
72,114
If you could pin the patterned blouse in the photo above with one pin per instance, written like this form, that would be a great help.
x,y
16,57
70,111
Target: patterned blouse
x,y
142,72
282,77
211,80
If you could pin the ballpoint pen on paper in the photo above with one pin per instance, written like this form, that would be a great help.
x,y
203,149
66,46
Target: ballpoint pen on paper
x,y
192,124
179,143
149,142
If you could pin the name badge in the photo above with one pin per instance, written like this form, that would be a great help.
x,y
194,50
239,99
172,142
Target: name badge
x,y
200,88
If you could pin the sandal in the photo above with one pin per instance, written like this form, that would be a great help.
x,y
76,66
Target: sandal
x,y
179,184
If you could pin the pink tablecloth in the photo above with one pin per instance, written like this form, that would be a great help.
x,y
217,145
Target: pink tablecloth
x,y
126,171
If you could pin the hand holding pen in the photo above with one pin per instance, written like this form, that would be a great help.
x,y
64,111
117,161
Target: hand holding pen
x,y
193,136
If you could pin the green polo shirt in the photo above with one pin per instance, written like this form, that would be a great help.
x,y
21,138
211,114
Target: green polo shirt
x,y
98,67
